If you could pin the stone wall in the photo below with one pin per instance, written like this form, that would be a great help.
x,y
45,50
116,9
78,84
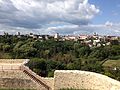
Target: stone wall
x,y
12,61
62,79
9,67
83,80
35,77
12,64
13,74
49,82
16,79
15,83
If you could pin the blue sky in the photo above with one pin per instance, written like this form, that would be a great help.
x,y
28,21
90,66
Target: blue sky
x,y
60,16
109,11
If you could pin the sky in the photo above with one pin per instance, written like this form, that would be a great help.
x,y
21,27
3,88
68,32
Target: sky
x,y
60,16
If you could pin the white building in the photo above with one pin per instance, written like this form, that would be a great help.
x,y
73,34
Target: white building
x,y
56,36
18,33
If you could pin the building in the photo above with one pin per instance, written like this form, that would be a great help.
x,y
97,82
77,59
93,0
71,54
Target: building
x,y
18,33
83,37
56,36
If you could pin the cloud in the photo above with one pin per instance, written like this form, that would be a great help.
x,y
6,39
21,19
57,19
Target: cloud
x,y
103,29
108,23
36,13
51,16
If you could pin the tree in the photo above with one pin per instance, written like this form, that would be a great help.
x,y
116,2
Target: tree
x,y
38,65
84,51
6,48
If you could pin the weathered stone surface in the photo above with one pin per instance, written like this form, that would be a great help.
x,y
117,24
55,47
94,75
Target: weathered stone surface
x,y
84,80
49,82
12,64
16,83
18,79
14,74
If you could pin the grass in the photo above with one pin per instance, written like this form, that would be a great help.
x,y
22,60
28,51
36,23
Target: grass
x,y
112,63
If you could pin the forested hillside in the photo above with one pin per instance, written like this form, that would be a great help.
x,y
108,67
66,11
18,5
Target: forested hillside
x,y
48,55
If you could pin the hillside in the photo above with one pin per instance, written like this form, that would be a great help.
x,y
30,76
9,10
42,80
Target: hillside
x,y
49,55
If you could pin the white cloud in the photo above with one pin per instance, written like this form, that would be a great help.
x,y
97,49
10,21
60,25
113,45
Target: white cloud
x,y
87,29
67,29
51,16
24,13
108,23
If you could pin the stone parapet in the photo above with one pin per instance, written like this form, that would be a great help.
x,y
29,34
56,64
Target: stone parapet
x,y
13,61
35,77
14,74
12,64
83,80
49,82
16,79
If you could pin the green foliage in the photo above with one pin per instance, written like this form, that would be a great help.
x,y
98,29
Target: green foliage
x,y
46,56
113,74
84,51
114,57
5,55
112,63
51,74
38,66
76,65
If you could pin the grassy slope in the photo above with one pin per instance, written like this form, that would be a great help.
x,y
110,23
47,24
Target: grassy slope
x,y
112,63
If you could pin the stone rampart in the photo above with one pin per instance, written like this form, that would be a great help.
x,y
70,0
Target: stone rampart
x,y
35,77
49,82
83,80
16,79
17,83
14,74
13,61
12,64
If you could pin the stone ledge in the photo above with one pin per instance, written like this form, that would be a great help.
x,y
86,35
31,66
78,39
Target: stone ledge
x,y
83,80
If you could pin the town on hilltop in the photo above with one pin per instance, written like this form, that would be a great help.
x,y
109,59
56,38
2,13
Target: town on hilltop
x,y
94,40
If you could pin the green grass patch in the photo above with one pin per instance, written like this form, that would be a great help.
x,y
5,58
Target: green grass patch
x,y
112,63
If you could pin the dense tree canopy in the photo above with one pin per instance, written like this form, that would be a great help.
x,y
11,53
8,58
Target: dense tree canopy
x,y
48,55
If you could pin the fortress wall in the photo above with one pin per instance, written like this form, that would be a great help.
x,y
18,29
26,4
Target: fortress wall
x,y
10,67
16,79
49,82
15,83
83,80
13,74
13,60
35,77
12,64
